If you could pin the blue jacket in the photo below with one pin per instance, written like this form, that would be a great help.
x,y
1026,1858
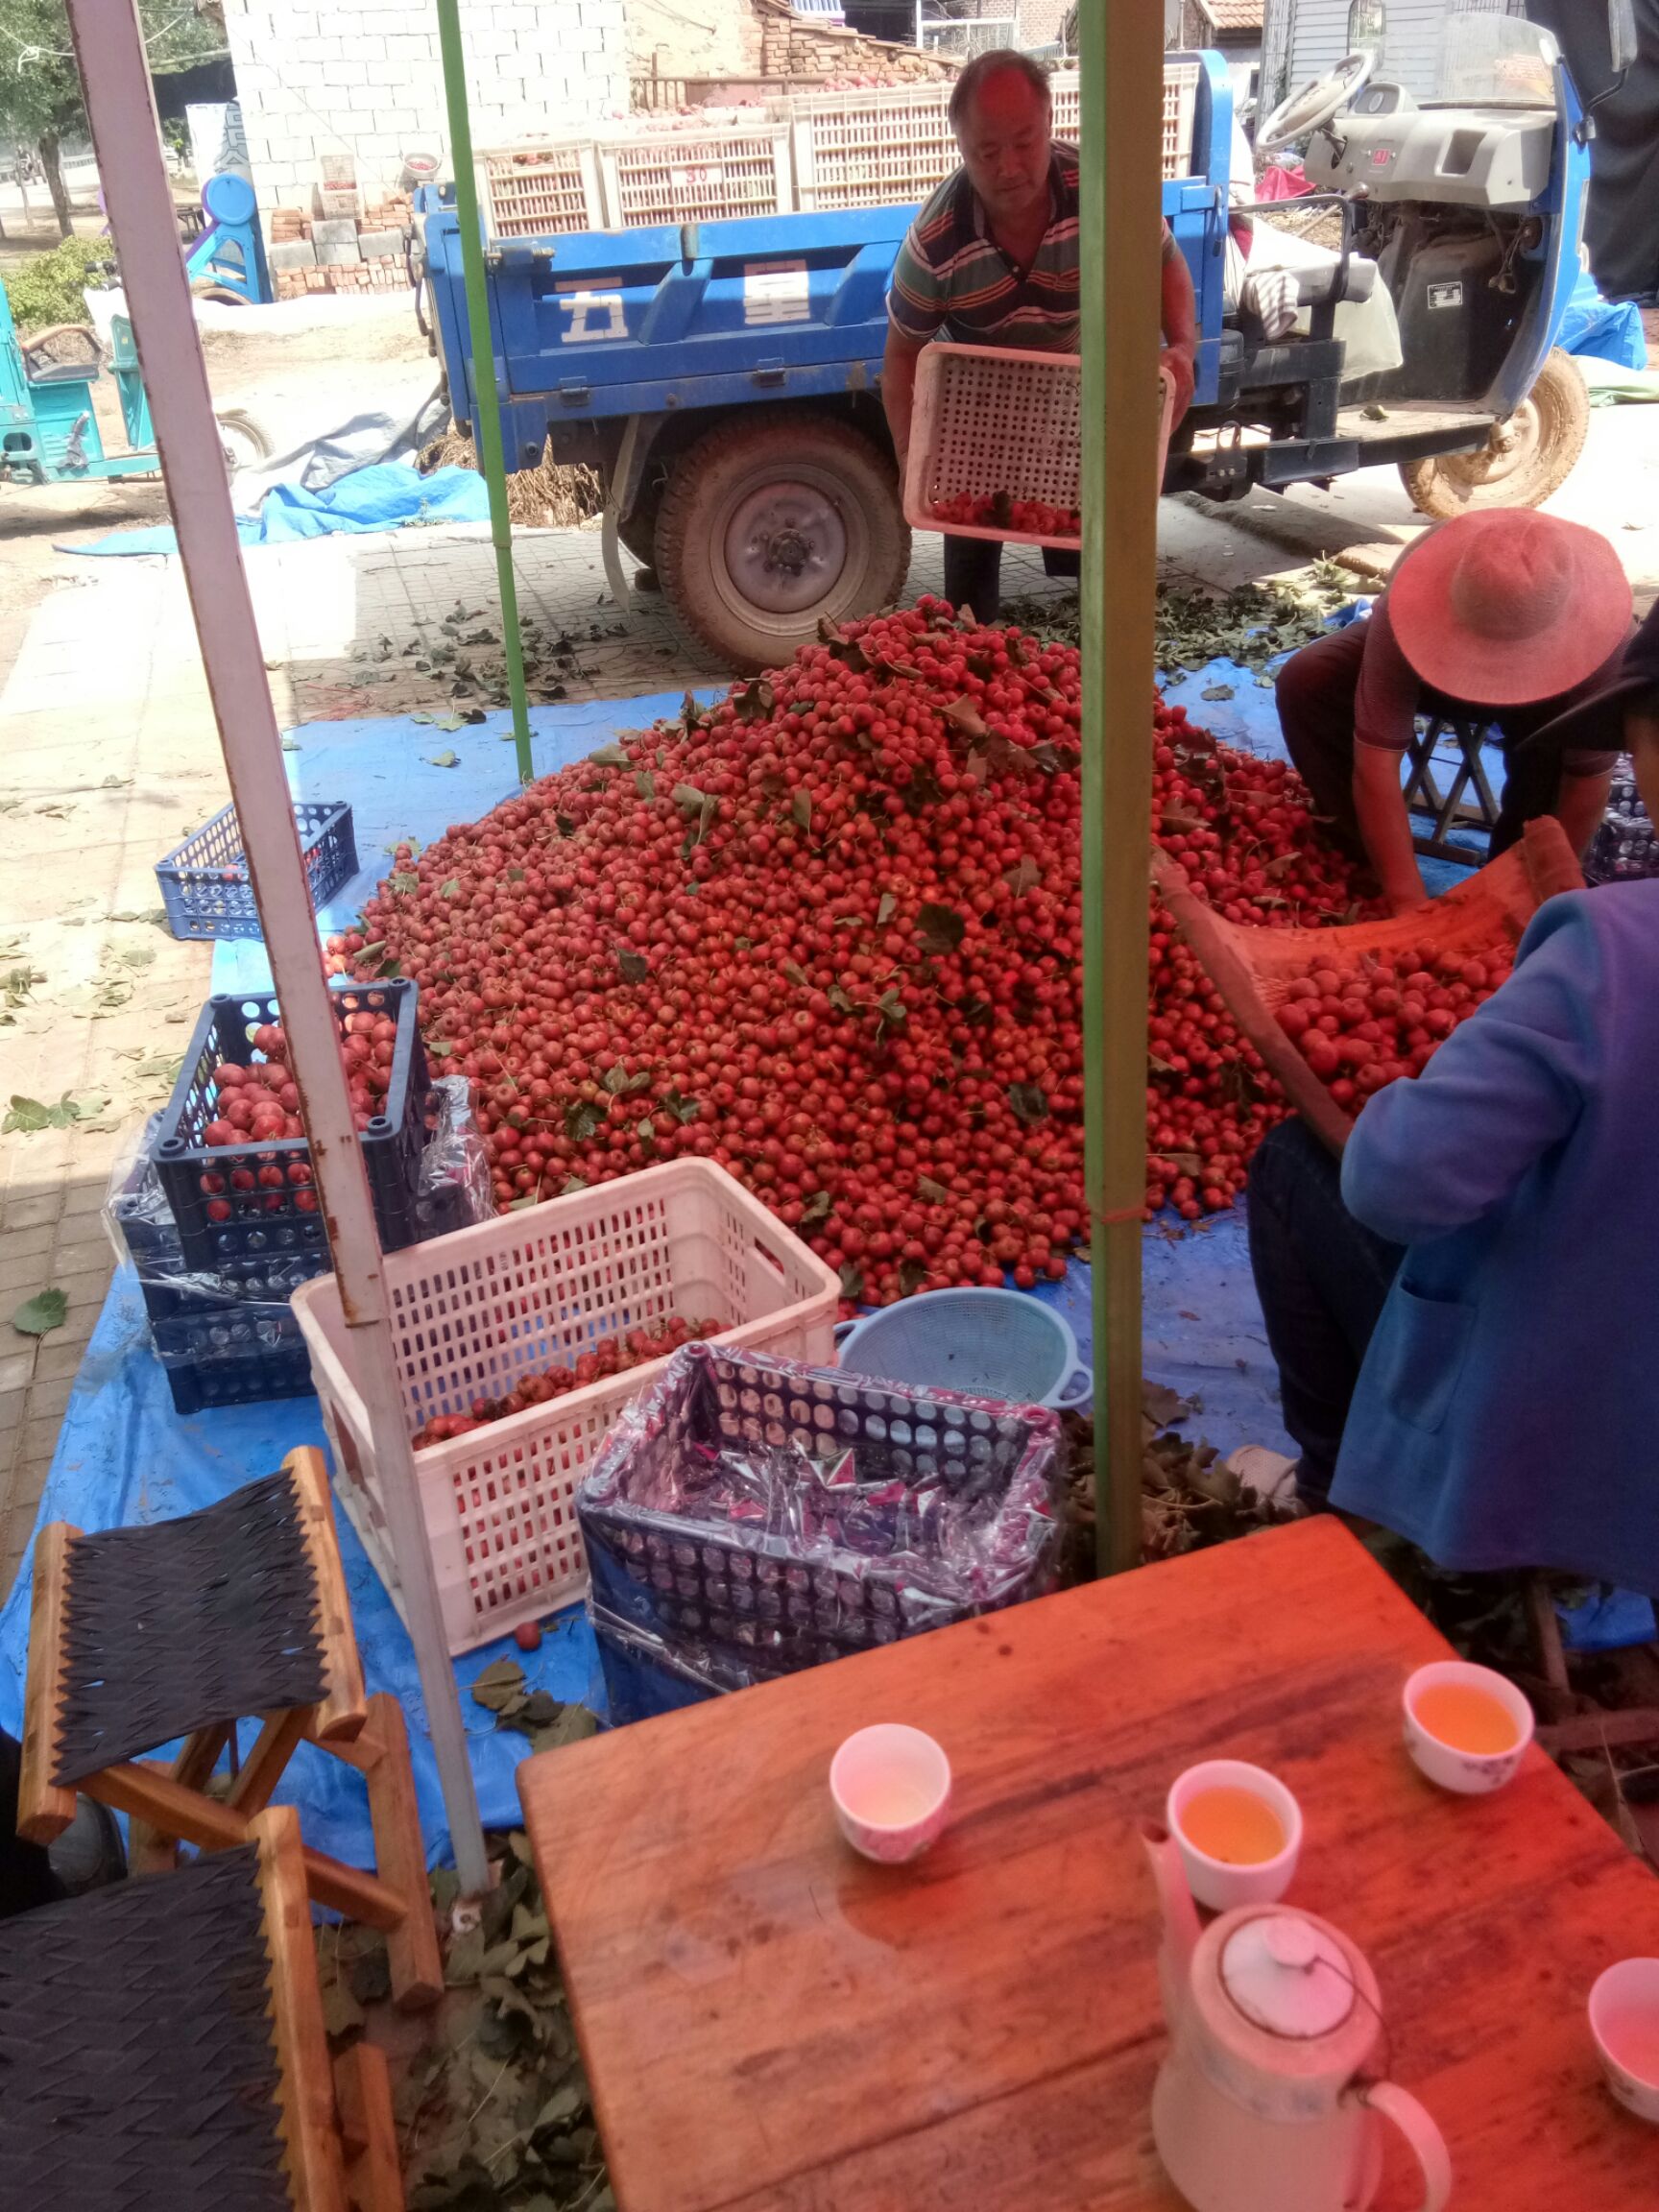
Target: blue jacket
x,y
1507,1412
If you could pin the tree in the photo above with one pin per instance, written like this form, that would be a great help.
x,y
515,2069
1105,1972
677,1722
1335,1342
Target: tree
x,y
41,101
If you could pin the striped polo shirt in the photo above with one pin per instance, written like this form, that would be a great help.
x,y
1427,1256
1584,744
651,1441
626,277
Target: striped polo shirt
x,y
952,279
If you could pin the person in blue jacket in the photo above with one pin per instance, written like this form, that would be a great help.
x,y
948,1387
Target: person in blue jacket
x,y
1460,1312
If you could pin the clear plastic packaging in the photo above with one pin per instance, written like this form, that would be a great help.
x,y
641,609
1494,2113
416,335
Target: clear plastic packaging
x,y
748,1517
226,1337
454,1190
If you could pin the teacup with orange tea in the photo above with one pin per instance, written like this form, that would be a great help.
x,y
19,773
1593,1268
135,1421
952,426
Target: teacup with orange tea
x,y
1238,1831
1466,1727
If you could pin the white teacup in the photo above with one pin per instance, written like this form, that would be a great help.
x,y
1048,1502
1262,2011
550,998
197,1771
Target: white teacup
x,y
1625,2021
1451,1766
1220,1884
891,1787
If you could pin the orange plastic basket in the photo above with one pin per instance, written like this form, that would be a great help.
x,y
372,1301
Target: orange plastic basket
x,y
1251,969
992,420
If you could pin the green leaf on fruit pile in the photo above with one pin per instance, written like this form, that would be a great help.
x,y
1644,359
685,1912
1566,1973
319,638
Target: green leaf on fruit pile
x,y
645,1130
754,701
797,975
1027,1102
571,1184
885,911
891,1008
451,889
634,966
935,1193
584,1119
852,1281
941,928
688,798
405,882
682,1109
801,807
608,757
616,1079
816,1209
646,783
46,1309
840,999
1025,877
912,1274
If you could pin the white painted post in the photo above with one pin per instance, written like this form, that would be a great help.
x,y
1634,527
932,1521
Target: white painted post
x,y
121,107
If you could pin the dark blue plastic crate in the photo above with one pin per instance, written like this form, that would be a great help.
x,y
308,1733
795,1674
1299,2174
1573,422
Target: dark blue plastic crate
x,y
265,1223
204,884
234,1376
1624,848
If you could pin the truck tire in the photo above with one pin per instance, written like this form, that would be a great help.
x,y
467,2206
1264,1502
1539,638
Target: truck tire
x,y
1525,459
773,523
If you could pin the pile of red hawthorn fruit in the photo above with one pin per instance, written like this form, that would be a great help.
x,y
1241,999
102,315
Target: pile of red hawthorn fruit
x,y
610,1356
1359,1025
999,510
829,933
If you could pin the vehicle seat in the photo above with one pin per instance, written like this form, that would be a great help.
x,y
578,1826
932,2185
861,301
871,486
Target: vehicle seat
x,y
57,371
1353,283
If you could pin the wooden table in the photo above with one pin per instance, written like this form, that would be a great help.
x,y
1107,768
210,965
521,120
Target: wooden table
x,y
770,2025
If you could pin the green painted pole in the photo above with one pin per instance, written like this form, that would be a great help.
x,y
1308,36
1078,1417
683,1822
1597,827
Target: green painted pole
x,y
1122,141
486,429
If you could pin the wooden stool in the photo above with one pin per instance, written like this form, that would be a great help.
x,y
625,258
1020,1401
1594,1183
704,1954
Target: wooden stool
x,y
1450,809
161,2044
180,1628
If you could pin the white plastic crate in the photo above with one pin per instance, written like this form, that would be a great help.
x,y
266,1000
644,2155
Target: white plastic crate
x,y
989,421
700,174
534,191
1180,114
875,148
474,1312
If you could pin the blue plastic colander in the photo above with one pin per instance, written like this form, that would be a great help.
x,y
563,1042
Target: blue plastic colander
x,y
987,1343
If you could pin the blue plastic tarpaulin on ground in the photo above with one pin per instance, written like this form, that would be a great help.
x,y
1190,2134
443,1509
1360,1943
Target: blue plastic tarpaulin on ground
x,y
389,495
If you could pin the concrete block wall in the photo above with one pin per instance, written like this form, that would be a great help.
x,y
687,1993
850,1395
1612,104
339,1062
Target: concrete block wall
x,y
362,77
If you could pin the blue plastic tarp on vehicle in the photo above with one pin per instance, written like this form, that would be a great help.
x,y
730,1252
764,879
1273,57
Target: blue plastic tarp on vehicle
x,y
1606,332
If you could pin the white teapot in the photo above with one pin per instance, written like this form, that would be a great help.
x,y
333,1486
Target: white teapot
x,y
1265,2101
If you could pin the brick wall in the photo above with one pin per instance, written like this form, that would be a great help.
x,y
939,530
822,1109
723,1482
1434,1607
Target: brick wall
x,y
361,77
780,44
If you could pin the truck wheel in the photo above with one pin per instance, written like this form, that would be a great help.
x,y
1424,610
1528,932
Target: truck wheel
x,y
769,526
245,442
1525,459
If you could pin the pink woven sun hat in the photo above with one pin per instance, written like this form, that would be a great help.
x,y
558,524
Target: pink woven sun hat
x,y
1507,607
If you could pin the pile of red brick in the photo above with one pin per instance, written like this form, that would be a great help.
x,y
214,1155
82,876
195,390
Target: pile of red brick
x,y
341,253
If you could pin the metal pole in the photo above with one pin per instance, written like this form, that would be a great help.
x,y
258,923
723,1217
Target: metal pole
x,y
109,46
487,427
1122,85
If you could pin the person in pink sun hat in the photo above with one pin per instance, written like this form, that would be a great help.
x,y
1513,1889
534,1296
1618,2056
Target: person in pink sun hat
x,y
1511,618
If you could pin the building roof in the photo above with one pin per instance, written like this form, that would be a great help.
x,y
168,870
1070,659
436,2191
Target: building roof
x,y
1234,14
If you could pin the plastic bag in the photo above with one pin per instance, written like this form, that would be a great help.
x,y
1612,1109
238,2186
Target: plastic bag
x,y
747,1516
455,1190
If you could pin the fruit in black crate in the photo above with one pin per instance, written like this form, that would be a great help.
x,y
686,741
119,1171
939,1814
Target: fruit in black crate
x,y
232,1153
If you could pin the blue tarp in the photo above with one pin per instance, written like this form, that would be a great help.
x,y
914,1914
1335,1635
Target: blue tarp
x,y
389,495
1595,326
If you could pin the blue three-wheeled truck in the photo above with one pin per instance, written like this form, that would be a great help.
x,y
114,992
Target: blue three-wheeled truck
x,y
724,378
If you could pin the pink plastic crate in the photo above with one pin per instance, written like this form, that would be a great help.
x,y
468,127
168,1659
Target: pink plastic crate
x,y
474,1311
991,420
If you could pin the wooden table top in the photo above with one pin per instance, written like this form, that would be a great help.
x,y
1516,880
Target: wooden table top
x,y
771,2025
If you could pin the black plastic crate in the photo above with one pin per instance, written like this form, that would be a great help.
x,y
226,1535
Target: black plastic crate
x,y
205,883
1624,848
235,1375
748,1517
261,1221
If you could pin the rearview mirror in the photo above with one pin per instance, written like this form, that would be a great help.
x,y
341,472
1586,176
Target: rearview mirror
x,y
1622,34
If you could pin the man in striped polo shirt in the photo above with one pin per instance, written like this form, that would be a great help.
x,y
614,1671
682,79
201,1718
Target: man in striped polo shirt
x,y
992,260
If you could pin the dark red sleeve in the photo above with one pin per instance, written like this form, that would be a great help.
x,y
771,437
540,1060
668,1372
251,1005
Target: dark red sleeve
x,y
1385,705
